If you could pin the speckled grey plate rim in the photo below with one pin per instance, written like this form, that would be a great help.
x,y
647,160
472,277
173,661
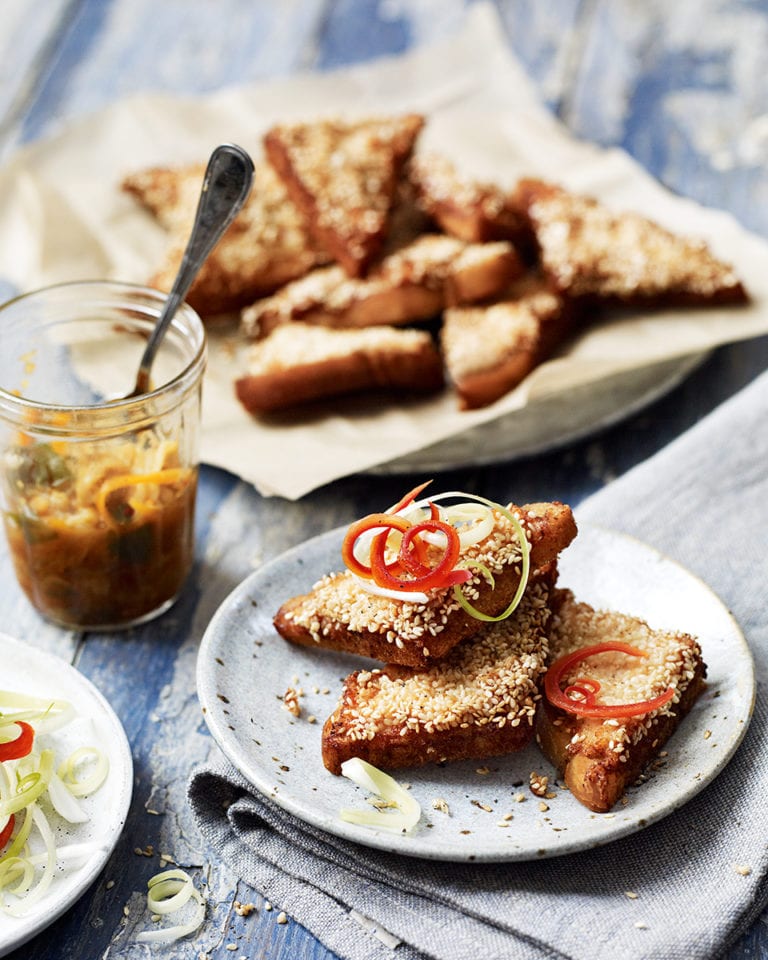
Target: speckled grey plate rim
x,y
552,421
244,667
23,667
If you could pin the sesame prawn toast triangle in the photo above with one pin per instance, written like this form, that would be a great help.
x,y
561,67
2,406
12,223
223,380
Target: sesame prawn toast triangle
x,y
170,194
410,284
468,209
300,362
339,614
594,253
344,177
489,348
478,701
266,246
600,758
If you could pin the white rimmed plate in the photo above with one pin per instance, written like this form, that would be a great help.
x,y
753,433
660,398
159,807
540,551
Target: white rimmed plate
x,y
244,668
41,674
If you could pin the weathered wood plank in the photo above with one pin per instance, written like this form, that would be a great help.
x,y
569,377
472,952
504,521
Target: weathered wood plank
x,y
115,48
683,88
30,33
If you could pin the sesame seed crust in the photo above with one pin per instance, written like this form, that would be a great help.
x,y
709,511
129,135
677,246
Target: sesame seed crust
x,y
600,758
300,362
468,209
409,284
489,348
590,251
340,614
343,176
478,701
265,247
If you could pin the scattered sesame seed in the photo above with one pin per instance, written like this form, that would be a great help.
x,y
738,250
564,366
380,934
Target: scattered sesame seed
x,y
631,895
282,918
640,925
743,869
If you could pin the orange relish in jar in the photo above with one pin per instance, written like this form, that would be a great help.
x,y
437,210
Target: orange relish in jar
x,y
99,536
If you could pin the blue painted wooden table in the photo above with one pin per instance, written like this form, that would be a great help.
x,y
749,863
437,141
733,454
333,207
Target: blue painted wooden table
x,y
682,87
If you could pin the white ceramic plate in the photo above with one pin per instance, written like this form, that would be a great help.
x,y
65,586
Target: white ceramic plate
x,y
42,674
244,667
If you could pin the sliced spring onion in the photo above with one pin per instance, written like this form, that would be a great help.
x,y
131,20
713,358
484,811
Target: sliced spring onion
x,y
26,871
167,893
32,895
64,803
406,812
409,596
68,771
46,714
30,786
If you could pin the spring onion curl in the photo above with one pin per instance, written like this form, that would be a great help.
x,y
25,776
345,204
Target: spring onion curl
x,y
31,792
169,892
399,810
525,556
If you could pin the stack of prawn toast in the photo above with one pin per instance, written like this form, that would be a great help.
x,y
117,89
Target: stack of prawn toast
x,y
602,690
477,701
351,224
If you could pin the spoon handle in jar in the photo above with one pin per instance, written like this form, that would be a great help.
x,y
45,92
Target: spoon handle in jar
x,y
225,189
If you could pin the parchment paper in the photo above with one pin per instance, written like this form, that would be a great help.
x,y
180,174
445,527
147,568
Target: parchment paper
x,y
63,217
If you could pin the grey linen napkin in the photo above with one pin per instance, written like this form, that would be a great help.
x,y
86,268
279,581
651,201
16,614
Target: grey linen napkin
x,y
703,501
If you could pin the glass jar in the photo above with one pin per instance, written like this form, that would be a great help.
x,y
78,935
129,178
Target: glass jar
x,y
98,491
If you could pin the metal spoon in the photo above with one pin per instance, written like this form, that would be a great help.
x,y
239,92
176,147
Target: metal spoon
x,y
226,186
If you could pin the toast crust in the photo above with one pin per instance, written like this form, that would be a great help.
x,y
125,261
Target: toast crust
x,y
266,246
471,210
338,614
343,176
299,362
599,759
168,193
411,284
479,701
490,348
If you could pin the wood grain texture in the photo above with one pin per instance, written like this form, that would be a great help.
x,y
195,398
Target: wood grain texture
x,y
681,86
